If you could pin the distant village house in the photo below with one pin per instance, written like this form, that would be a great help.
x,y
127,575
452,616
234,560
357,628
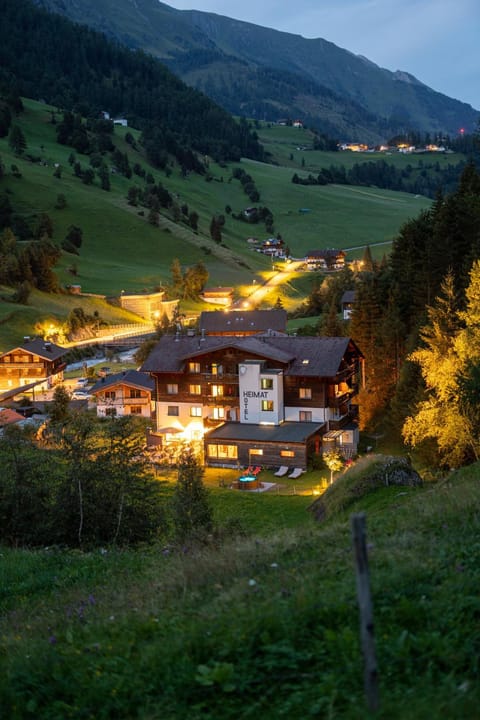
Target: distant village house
x,y
328,260
218,296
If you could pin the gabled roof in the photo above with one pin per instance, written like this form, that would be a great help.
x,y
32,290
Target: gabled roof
x,y
9,416
303,356
42,348
243,321
131,378
348,297
218,291
326,253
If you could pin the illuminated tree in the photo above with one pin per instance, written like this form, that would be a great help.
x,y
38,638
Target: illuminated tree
x,y
334,462
449,362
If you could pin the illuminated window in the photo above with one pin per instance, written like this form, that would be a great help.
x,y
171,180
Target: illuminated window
x,y
196,411
172,389
195,389
287,453
136,410
266,383
255,451
305,416
217,369
173,410
217,390
305,393
194,367
218,413
223,451
267,405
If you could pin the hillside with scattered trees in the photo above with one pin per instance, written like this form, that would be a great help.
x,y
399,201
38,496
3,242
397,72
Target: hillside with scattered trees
x,y
46,56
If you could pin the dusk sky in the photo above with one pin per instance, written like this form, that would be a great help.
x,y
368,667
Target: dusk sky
x,y
438,41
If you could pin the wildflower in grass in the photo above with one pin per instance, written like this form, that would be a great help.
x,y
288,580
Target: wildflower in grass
x,y
274,565
252,582
52,640
91,600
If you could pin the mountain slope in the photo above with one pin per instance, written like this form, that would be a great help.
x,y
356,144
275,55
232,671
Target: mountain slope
x,y
268,74
47,56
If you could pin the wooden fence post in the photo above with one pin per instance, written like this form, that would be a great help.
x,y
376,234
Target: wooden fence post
x,y
367,636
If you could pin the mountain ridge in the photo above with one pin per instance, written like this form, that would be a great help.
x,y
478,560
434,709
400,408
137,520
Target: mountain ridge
x,y
241,66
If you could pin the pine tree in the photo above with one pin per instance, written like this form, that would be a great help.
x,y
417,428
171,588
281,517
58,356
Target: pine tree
x,y
191,510
16,140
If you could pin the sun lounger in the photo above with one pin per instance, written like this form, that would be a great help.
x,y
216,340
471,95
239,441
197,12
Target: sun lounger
x,y
281,471
296,472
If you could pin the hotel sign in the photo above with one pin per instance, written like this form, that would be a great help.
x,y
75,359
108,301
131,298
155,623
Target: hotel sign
x,y
247,394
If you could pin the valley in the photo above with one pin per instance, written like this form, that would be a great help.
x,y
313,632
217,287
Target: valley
x,y
177,521
122,251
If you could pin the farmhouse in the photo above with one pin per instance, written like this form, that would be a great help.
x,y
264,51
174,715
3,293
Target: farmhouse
x,y
218,295
328,259
273,246
268,399
243,322
36,362
124,393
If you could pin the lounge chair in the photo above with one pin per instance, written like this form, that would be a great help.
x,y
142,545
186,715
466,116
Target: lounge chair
x,y
282,470
296,472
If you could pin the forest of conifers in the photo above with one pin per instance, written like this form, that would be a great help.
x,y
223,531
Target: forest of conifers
x,y
72,67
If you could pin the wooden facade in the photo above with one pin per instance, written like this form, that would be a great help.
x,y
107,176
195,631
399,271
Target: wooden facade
x,y
35,362
276,395
125,393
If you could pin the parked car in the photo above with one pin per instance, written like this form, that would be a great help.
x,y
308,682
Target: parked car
x,y
81,395
82,382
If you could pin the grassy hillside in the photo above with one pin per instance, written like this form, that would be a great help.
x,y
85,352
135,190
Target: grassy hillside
x,y
122,251
260,626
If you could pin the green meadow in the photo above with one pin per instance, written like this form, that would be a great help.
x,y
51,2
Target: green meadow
x,y
122,251
262,621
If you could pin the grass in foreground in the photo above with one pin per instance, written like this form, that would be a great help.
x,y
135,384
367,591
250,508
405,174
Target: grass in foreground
x,y
258,627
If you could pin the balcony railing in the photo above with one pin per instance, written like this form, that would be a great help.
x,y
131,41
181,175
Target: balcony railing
x,y
221,377
335,401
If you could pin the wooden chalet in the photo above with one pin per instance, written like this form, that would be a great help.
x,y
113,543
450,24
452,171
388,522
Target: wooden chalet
x,y
264,399
36,363
125,393
327,260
